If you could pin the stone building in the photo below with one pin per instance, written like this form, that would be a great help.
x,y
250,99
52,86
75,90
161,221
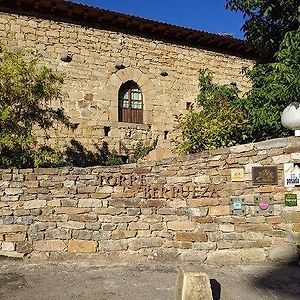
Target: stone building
x,y
126,77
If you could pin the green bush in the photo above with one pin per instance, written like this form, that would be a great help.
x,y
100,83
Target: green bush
x,y
26,92
217,122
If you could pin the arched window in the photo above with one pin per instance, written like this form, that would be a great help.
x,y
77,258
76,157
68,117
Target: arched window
x,y
130,103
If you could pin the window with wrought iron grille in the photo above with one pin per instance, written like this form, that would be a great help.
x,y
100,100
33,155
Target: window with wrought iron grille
x,y
130,103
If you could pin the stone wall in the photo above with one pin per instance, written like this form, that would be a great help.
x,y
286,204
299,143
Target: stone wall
x,y
92,81
176,209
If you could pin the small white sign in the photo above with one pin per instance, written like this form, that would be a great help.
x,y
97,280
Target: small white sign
x,y
291,175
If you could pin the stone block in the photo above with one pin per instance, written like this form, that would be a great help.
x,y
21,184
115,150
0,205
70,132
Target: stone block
x,y
49,245
219,210
13,228
140,243
231,256
72,225
26,220
284,254
101,235
193,255
192,286
123,234
90,203
138,226
82,234
34,204
58,233
191,237
15,237
13,191
82,246
291,216
24,247
253,255
8,246
12,254
181,225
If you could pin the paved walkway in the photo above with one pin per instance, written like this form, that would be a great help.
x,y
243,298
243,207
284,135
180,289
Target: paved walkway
x,y
91,280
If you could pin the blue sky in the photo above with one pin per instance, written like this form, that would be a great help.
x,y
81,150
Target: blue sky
x,y
207,15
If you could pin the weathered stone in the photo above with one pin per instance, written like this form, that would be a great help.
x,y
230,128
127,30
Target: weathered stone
x,y
101,235
192,286
151,242
27,220
284,253
12,254
49,245
219,210
24,247
138,226
193,255
221,256
58,233
34,204
133,211
13,228
38,226
253,255
291,216
90,203
72,225
226,227
15,237
82,246
7,220
82,234
181,225
13,191
191,237
123,234
8,246
113,246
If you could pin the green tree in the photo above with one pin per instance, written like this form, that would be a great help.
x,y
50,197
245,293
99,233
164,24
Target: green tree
x,y
273,26
217,120
275,85
267,22
26,92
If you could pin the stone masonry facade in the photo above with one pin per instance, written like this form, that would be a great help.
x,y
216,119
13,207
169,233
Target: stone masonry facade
x,y
175,209
92,80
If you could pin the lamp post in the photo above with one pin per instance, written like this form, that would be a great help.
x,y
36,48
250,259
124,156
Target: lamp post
x,y
290,117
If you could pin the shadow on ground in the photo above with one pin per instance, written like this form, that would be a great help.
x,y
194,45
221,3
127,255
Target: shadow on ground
x,y
282,280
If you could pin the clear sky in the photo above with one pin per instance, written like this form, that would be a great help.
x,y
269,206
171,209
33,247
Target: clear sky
x,y
206,15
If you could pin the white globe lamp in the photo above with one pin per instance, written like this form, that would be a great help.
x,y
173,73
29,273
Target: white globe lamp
x,y
290,117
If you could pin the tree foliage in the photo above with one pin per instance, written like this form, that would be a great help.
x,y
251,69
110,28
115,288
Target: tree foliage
x,y
26,92
217,121
273,26
275,85
267,22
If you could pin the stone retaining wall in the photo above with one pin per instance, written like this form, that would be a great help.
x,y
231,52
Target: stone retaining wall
x,y
171,209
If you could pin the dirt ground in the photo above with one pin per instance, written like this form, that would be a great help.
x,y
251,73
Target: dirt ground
x,y
146,281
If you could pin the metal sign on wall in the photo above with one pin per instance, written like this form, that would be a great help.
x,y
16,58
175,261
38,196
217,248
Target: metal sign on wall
x,y
237,206
291,175
290,199
265,175
264,206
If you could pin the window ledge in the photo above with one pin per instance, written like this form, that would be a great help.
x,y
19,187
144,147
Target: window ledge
x,y
132,125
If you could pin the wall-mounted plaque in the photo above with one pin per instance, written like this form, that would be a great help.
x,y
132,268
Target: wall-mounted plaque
x,y
290,199
237,206
264,206
291,175
237,174
264,175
